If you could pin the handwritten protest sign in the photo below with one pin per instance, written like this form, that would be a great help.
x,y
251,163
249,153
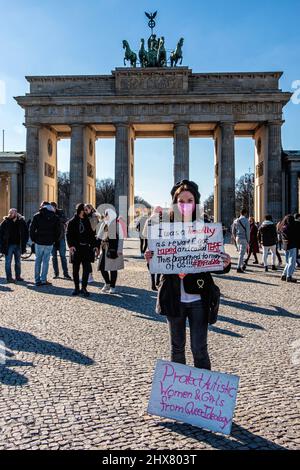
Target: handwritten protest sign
x,y
185,247
199,397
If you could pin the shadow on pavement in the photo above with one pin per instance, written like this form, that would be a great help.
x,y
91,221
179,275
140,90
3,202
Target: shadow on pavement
x,y
244,439
24,341
243,279
279,311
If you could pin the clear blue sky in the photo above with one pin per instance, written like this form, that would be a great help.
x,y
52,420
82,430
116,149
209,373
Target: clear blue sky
x,y
40,37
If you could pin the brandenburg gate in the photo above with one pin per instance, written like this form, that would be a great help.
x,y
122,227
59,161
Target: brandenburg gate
x,y
133,103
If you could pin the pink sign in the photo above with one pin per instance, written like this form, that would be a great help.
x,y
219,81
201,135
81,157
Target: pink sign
x,y
200,397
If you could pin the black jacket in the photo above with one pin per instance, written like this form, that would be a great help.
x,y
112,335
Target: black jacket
x,y
168,299
5,233
297,225
267,234
45,228
289,235
73,235
63,220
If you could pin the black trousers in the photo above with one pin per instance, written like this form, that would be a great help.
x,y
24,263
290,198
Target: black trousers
x,y
250,253
81,257
143,245
110,277
195,313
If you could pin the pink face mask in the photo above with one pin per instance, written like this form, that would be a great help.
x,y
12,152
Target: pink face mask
x,y
186,208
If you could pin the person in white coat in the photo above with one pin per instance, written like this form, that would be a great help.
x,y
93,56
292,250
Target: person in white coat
x,y
111,259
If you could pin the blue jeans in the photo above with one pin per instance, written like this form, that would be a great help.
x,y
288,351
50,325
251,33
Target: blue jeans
x,y
42,258
61,248
195,313
13,250
291,257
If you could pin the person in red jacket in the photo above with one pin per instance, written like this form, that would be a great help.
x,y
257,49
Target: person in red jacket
x,y
253,243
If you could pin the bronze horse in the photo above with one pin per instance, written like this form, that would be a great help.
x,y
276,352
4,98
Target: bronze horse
x,y
129,54
177,54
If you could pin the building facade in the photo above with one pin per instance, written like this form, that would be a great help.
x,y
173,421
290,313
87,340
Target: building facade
x,y
133,103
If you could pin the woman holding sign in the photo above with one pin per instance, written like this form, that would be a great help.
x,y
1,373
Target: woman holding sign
x,y
191,296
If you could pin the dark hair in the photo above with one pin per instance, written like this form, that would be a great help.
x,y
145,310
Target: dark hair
x,y
287,220
268,217
297,216
244,212
79,208
185,185
53,204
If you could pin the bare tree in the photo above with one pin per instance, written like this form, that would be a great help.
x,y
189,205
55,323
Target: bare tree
x,y
105,192
63,183
140,200
209,205
244,193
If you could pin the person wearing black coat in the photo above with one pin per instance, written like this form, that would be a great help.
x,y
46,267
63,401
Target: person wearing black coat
x,y
267,238
14,236
60,246
289,233
297,221
176,292
82,242
45,230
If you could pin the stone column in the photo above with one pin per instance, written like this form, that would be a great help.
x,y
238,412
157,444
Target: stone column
x,y
227,174
32,172
4,195
77,174
261,172
274,193
293,191
217,175
181,151
90,166
14,191
124,169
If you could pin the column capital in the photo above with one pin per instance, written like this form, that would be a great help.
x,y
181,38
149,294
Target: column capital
x,y
32,126
227,123
181,124
275,122
77,124
122,124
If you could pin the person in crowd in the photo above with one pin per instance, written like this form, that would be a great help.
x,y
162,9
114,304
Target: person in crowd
x,y
288,229
297,221
140,229
241,234
81,242
253,247
60,246
45,230
94,218
267,238
155,218
14,236
177,298
111,260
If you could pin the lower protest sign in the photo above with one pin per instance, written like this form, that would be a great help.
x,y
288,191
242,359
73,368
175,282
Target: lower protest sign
x,y
200,397
185,247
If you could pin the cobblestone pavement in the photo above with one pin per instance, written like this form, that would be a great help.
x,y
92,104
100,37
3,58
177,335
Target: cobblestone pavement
x,y
78,371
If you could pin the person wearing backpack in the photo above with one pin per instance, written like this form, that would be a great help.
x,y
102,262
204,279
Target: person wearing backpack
x,y
188,296
267,238
241,234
